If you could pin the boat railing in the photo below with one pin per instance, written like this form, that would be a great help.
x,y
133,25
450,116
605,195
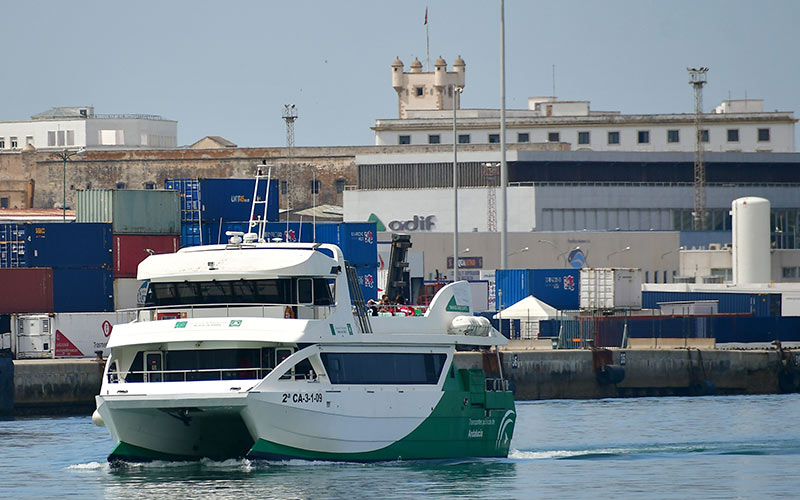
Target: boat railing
x,y
195,375
497,385
238,309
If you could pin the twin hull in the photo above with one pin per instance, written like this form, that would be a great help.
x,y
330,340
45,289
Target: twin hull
x,y
367,423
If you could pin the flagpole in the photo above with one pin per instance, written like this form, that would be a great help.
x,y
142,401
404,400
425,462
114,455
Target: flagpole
x,y
427,41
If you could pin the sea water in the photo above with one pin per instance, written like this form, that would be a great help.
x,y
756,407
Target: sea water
x,y
705,447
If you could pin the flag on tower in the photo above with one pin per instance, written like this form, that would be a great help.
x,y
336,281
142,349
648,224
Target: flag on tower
x,y
426,15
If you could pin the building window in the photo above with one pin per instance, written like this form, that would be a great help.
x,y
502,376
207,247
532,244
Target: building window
x,y
673,136
553,137
763,135
284,187
404,139
51,138
434,139
4,203
60,138
14,143
583,137
418,91
340,185
523,137
790,272
613,137
463,138
2,142
149,185
643,137
121,185
733,135
493,138
71,138
314,185
704,135
29,140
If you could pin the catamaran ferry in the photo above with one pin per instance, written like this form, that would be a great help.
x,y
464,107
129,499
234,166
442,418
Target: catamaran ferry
x,y
265,351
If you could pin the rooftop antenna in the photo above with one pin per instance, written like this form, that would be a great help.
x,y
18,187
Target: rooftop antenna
x,y
554,81
289,116
697,78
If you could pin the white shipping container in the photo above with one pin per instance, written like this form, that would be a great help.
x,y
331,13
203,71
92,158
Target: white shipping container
x,y
610,288
790,304
129,293
480,295
64,334
32,336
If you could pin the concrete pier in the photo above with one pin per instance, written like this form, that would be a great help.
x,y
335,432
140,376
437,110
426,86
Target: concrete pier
x,y
50,386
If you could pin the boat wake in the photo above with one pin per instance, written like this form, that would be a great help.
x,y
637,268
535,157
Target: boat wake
x,y
634,452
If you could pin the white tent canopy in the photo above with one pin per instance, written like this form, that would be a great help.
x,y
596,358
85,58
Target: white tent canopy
x,y
528,308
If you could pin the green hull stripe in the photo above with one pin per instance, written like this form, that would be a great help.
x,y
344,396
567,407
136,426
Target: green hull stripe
x,y
481,428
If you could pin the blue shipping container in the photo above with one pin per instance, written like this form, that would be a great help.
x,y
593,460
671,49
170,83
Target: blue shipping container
x,y
12,245
83,290
757,304
556,287
356,239
231,199
368,279
226,199
72,245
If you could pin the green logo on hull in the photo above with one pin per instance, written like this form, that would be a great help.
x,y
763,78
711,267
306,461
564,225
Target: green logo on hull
x,y
378,224
235,322
180,324
453,307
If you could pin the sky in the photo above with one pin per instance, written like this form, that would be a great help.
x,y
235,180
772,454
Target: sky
x,y
227,68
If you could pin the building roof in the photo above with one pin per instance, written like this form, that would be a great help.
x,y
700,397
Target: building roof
x,y
212,142
65,112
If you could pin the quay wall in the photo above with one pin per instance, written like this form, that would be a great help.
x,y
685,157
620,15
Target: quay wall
x,y
63,385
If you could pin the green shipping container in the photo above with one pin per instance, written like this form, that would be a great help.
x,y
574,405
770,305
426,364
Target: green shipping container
x,y
131,211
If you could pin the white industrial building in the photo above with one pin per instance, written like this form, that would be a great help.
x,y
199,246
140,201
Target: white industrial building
x,y
425,116
75,127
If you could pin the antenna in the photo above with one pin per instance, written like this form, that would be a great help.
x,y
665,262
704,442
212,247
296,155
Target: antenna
x,y
554,81
697,78
490,173
289,116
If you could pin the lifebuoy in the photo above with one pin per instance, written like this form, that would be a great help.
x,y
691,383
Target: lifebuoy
x,y
288,313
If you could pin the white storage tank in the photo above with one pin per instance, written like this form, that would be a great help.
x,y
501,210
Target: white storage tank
x,y
751,255
610,288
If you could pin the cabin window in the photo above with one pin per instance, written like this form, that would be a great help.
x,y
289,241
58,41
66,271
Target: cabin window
x,y
383,367
268,291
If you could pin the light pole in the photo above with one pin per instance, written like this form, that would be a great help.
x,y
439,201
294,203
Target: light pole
x,y
557,249
66,155
564,254
626,249
521,250
456,92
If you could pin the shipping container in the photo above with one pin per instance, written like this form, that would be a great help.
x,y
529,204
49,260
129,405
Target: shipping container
x,y
26,290
12,245
69,245
558,288
83,290
129,293
757,304
368,279
223,199
130,249
131,211
610,288
357,240
64,334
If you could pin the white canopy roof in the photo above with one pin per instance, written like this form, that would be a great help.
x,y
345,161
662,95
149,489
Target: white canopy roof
x,y
528,308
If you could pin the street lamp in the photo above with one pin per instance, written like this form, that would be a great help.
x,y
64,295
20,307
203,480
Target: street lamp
x,y
66,155
672,251
626,249
564,254
456,92
521,250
